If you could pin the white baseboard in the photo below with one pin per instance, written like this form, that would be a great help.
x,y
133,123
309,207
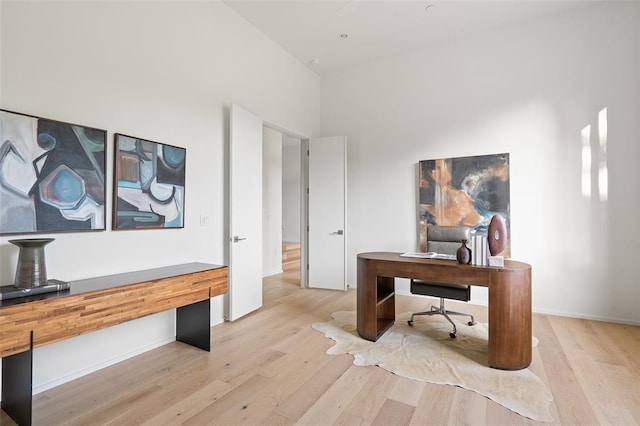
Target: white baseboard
x,y
587,317
216,321
91,369
83,372
268,274
553,312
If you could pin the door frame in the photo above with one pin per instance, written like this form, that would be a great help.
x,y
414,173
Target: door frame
x,y
304,199
304,213
304,202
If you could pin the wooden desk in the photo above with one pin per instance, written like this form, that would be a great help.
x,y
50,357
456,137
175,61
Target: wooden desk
x,y
509,299
96,303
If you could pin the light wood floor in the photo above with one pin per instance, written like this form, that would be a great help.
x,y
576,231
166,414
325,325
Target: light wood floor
x,y
271,368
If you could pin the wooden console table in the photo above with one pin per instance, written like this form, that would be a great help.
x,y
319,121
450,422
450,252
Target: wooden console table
x,y
509,299
96,303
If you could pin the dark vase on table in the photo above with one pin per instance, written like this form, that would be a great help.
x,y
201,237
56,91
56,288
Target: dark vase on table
x,y
31,270
463,254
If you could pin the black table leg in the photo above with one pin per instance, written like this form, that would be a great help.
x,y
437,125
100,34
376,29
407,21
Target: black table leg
x,y
192,324
17,378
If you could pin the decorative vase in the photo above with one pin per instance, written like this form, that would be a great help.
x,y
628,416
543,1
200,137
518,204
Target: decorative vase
x,y
463,254
31,271
497,235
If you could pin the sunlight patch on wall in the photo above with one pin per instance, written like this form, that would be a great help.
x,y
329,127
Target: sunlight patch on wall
x,y
603,174
599,175
586,161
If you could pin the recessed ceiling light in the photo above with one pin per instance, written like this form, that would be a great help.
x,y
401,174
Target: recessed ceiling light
x,y
344,35
314,62
429,6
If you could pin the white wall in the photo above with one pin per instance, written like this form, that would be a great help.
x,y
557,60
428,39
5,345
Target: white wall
x,y
164,71
167,71
290,189
271,202
527,90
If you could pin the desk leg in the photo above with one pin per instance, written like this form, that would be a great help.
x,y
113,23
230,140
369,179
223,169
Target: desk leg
x,y
193,324
375,301
17,377
510,346
367,291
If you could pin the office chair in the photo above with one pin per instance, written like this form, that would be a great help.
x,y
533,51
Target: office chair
x,y
445,240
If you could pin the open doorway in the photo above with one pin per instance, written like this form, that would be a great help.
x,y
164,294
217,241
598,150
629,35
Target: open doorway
x,y
291,183
281,198
304,209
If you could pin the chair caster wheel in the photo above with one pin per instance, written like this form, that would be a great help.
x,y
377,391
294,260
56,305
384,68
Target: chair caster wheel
x,y
470,323
452,335
410,323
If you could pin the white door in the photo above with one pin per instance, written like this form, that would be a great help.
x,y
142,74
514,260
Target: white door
x,y
245,214
327,239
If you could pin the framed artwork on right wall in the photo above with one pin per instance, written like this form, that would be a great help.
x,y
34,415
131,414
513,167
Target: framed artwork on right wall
x,y
465,191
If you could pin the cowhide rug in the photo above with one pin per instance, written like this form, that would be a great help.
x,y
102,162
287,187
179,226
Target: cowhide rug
x,y
426,352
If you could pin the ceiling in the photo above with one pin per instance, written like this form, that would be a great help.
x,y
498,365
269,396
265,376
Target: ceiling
x,y
311,29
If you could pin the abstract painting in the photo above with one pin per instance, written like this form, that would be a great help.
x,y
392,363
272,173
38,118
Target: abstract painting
x,y
51,176
149,183
465,191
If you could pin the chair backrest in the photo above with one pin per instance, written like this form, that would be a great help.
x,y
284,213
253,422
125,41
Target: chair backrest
x,y
446,239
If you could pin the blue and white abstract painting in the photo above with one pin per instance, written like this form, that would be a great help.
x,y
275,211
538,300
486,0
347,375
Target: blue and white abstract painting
x,y
149,184
51,176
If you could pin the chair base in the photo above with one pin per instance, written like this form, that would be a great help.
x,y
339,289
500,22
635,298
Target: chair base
x,y
444,312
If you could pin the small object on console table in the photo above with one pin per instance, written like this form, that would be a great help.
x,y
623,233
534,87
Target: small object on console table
x,y
12,292
31,270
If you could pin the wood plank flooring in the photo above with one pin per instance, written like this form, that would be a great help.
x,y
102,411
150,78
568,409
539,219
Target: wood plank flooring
x,y
271,368
290,256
